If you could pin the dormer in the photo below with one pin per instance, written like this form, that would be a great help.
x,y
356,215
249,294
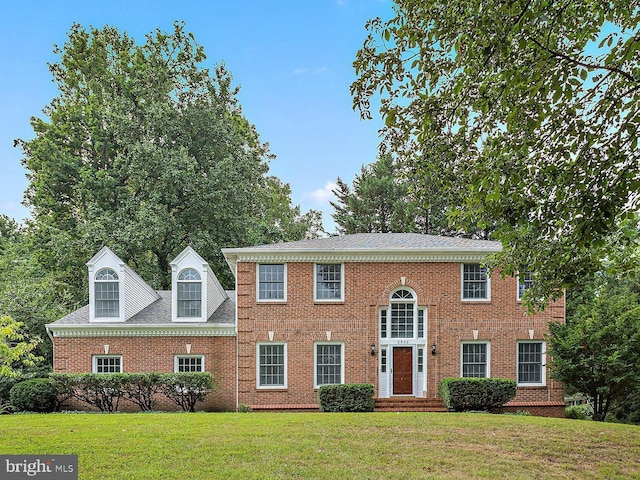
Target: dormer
x,y
195,291
116,293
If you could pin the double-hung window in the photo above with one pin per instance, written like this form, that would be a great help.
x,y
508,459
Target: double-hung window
x,y
475,359
475,282
272,365
107,290
329,283
189,293
329,364
189,363
531,368
525,281
271,282
107,364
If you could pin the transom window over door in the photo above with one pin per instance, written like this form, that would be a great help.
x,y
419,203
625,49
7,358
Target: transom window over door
x,y
402,314
189,293
107,290
329,281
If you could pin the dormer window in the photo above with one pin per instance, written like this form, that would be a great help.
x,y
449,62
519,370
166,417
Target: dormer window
x,y
107,293
189,293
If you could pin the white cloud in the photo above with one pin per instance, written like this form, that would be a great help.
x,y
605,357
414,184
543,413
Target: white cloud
x,y
322,195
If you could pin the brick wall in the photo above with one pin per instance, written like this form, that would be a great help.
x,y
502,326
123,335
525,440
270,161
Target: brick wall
x,y
300,322
156,354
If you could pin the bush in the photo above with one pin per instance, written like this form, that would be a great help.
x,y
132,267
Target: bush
x,y
36,395
578,412
357,397
186,389
141,389
487,394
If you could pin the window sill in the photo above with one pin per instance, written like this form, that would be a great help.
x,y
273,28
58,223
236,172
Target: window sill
x,y
328,302
532,386
272,389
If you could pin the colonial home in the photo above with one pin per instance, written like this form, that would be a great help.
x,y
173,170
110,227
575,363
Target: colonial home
x,y
399,311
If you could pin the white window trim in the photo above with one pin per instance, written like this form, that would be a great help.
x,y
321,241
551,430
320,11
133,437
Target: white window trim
x,y
177,357
315,363
94,363
543,366
473,300
476,342
93,272
286,367
270,300
315,284
186,318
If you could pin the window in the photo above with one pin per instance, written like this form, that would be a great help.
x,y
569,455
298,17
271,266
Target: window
x,y
107,290
421,360
271,282
329,365
475,283
530,363
189,363
421,312
272,365
189,293
383,360
329,281
475,360
525,281
402,314
107,364
383,323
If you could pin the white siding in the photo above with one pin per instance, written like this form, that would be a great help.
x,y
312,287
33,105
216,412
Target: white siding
x,y
138,295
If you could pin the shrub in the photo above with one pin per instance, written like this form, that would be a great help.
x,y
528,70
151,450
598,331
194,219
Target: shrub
x,y
244,408
103,390
35,395
465,394
357,397
578,412
186,389
141,388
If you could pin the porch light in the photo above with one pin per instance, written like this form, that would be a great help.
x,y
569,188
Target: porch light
x,y
433,349
373,349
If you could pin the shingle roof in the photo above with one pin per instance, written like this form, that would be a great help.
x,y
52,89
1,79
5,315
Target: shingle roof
x,y
384,242
158,313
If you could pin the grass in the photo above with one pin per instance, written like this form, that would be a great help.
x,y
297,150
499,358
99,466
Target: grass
x,y
327,446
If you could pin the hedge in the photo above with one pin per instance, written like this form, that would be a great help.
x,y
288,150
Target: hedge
x,y
35,395
104,391
486,394
357,397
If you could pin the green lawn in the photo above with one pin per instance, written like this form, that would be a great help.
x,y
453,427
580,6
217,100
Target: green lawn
x,y
327,446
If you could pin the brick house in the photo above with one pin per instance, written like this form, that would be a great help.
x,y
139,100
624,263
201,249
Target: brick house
x,y
399,311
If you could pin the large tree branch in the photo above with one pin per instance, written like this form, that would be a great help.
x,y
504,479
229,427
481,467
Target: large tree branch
x,y
575,61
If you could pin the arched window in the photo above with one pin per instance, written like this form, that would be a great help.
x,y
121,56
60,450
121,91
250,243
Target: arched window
x,y
107,293
402,307
189,293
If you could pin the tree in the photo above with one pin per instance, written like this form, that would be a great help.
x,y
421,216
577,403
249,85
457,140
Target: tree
x,y
597,352
147,151
16,352
529,108
381,202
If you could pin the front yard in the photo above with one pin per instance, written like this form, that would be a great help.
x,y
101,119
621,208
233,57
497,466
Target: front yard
x,y
327,446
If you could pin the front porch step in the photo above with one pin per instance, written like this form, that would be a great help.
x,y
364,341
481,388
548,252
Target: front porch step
x,y
409,404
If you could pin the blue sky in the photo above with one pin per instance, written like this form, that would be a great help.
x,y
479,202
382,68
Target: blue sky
x,y
291,58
